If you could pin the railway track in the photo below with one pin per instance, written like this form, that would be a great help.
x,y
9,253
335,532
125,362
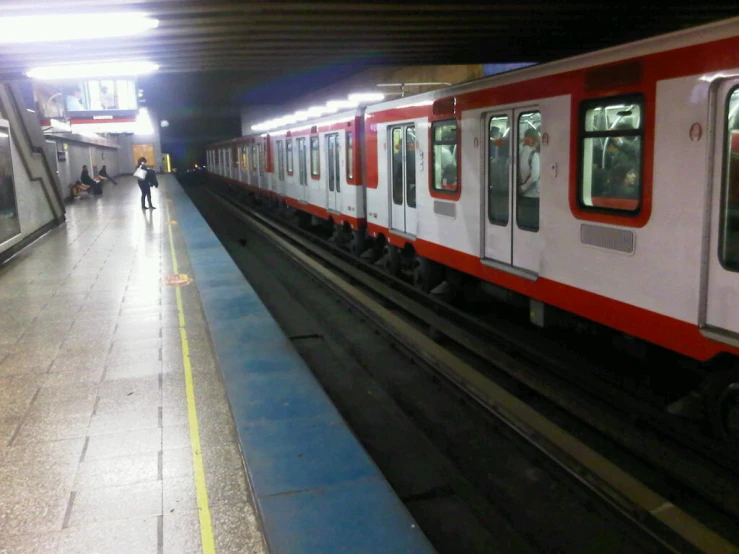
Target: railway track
x,y
474,356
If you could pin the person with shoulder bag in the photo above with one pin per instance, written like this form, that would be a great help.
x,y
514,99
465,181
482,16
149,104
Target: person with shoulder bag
x,y
142,176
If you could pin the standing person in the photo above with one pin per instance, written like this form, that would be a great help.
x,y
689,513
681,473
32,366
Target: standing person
x,y
527,200
144,185
104,173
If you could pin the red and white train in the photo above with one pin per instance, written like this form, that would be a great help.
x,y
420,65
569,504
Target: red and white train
x,y
605,185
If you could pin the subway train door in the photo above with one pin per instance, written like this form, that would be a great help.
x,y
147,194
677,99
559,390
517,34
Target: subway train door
x,y
721,296
403,215
302,171
334,174
510,216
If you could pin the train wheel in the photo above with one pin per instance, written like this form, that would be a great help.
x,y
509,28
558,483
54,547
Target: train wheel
x,y
722,405
426,274
391,259
356,246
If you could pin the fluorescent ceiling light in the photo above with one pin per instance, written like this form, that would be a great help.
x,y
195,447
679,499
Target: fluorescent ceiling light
x,y
367,97
338,104
92,70
72,27
143,124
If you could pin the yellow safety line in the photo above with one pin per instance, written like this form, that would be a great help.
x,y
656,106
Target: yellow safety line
x,y
206,528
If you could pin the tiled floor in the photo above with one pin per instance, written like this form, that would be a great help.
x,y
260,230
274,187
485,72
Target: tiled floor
x,y
95,450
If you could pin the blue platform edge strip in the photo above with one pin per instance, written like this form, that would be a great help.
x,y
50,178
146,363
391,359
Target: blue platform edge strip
x,y
316,488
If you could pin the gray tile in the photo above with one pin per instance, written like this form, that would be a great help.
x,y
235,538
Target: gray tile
x,y
132,536
57,389
52,429
135,345
76,381
25,363
175,437
62,452
142,355
182,533
179,495
31,544
121,388
20,388
121,444
61,407
8,427
121,422
140,400
177,464
130,370
33,514
117,472
99,505
175,414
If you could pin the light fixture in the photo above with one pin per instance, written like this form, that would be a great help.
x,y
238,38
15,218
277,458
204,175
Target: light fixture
x,y
339,104
164,123
362,97
92,70
73,27
143,124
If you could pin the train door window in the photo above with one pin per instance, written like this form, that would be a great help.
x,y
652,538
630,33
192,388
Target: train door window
x,y
331,153
244,159
315,157
729,231
262,157
499,152
9,220
410,166
529,171
280,160
445,156
396,135
289,150
253,157
336,163
302,162
349,156
611,155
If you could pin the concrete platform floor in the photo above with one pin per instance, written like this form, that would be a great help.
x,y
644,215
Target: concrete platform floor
x,y
96,452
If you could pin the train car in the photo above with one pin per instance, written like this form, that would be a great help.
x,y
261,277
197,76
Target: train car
x,y
314,168
604,186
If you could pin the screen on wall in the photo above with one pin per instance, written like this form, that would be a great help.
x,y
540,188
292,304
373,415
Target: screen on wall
x,y
9,222
115,97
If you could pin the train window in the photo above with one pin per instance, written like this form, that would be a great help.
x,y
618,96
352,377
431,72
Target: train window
x,y
397,164
253,157
289,150
729,234
315,157
9,220
445,156
529,171
280,160
499,152
262,158
410,166
244,158
349,156
611,137
302,169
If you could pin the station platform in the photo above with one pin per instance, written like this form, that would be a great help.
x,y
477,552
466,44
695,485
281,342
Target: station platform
x,y
149,403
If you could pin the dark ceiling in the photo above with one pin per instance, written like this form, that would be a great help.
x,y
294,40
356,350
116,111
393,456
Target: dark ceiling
x,y
216,55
